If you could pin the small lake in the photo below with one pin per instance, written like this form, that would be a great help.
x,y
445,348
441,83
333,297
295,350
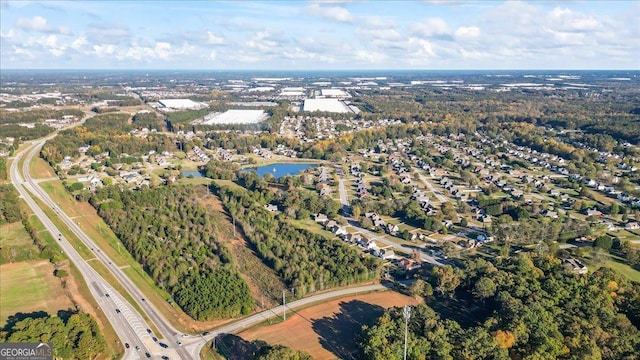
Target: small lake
x,y
280,170
191,173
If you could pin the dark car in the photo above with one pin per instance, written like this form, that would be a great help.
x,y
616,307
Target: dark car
x,y
117,311
155,339
165,357
126,345
163,345
147,354
205,333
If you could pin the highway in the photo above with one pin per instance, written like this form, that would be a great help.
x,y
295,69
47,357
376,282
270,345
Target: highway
x,y
128,324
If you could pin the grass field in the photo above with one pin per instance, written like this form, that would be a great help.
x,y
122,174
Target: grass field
x,y
29,286
14,234
329,330
40,169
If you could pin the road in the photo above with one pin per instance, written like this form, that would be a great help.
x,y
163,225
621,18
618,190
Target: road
x,y
195,344
427,183
127,324
132,329
342,189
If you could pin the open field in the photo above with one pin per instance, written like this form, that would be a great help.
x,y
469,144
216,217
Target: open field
x,y
40,169
14,234
329,330
29,286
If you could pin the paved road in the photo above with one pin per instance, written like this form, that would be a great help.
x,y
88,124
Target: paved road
x,y
342,189
195,344
127,323
138,331
427,183
404,248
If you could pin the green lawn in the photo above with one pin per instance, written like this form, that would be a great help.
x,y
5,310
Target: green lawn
x,y
626,270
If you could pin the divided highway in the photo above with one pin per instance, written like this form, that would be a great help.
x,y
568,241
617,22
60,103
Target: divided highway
x,y
127,322
129,325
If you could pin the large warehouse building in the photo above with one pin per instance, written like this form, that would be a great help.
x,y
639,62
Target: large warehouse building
x,y
325,105
181,104
231,117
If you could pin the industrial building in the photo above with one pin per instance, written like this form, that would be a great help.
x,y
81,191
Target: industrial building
x,y
181,104
231,117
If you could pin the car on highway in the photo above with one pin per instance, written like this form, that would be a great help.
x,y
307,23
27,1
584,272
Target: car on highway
x,y
155,339
165,357
117,311
137,348
149,331
107,294
179,343
205,333
126,345
163,345
147,354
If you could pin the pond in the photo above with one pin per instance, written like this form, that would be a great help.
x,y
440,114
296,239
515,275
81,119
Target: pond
x,y
282,169
191,173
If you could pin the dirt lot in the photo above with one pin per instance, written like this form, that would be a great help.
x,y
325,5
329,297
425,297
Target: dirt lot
x,y
329,330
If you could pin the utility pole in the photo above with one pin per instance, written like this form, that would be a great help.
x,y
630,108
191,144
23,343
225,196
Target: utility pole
x,y
406,314
284,307
234,225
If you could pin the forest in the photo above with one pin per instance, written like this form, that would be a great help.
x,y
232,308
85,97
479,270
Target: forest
x,y
304,260
73,336
523,307
172,233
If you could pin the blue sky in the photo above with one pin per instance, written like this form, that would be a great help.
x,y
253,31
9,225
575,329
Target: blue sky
x,y
320,35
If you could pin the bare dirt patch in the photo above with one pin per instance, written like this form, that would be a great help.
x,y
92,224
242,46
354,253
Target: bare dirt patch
x,y
329,330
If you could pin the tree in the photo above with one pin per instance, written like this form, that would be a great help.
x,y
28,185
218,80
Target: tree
x,y
484,288
447,279
604,242
417,288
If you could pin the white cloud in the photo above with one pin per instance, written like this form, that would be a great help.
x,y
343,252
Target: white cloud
x,y
568,21
79,42
213,39
8,35
378,21
40,24
467,32
104,50
431,27
386,34
37,23
336,13
212,55
262,42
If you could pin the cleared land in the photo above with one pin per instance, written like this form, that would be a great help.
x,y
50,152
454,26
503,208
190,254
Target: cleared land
x,y
40,169
329,330
14,234
30,286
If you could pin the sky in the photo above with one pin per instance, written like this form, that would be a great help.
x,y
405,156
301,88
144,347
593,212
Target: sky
x,y
320,35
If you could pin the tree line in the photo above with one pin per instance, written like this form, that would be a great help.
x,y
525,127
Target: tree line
x,y
525,307
175,238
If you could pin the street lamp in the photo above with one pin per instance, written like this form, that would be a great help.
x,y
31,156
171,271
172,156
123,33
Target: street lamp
x,y
406,314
